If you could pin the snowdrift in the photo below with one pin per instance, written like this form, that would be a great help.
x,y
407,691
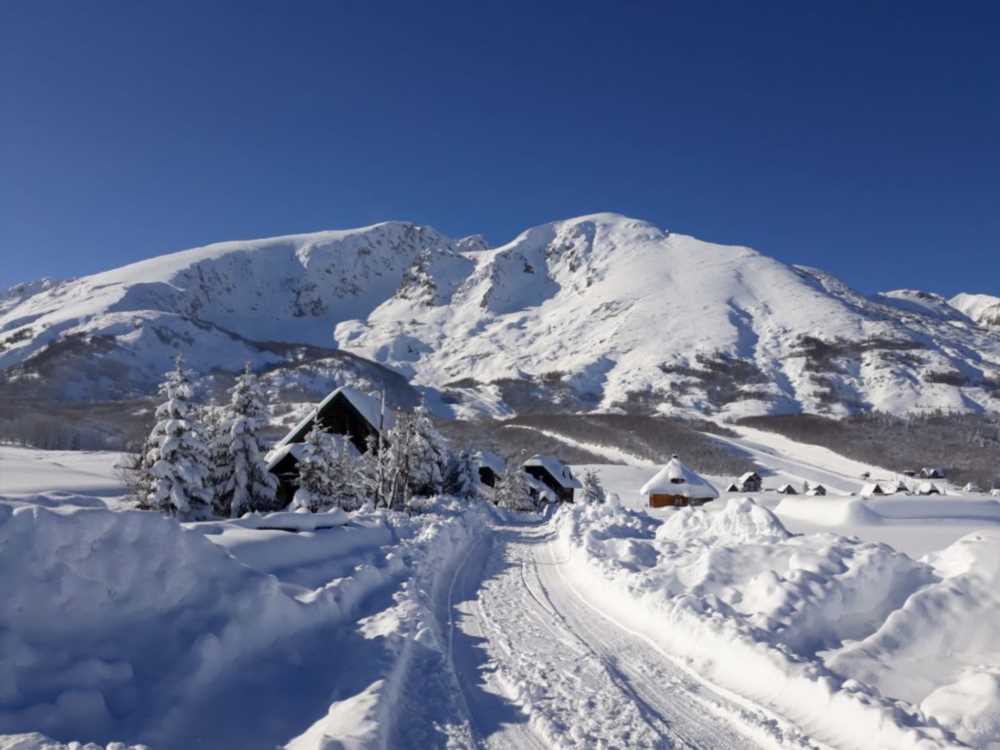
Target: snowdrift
x,y
752,608
130,626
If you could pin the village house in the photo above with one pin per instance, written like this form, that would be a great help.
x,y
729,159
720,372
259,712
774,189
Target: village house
x,y
872,489
930,472
816,490
552,475
347,412
676,485
750,482
787,489
928,488
490,467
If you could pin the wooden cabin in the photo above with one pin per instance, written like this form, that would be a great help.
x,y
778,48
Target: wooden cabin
x,y
490,467
675,485
346,412
872,489
816,490
554,475
750,482
928,488
733,487
930,472
787,489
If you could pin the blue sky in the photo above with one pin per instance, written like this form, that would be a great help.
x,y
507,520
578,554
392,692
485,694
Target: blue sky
x,y
858,137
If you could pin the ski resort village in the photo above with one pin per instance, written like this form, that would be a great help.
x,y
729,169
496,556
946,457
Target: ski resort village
x,y
491,516
499,376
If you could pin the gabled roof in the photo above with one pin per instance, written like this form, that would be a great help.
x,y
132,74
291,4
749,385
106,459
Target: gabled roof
x,y
490,460
872,488
367,406
928,488
787,489
677,479
559,471
748,475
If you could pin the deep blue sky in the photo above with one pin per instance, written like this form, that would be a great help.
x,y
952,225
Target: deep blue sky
x,y
862,138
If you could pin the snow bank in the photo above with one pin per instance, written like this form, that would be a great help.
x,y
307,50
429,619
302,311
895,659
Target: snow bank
x,y
941,649
829,511
124,625
748,606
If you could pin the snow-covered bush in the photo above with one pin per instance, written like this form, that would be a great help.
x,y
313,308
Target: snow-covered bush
x,y
317,485
245,484
175,471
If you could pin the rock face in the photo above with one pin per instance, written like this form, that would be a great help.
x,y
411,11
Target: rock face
x,y
598,312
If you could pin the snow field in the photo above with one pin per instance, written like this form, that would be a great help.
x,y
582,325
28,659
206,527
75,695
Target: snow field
x,y
749,607
128,625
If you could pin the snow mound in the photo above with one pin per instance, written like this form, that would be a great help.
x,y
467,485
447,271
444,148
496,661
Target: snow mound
x,y
740,521
917,655
971,705
829,511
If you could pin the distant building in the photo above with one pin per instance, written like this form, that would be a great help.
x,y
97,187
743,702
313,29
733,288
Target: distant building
x,y
554,475
733,487
346,412
928,488
872,489
787,489
929,472
677,485
490,467
896,488
816,490
750,482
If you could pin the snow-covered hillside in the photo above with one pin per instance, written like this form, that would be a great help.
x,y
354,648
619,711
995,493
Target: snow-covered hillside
x,y
601,311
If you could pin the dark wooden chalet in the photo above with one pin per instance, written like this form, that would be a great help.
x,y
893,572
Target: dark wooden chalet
x,y
555,475
347,412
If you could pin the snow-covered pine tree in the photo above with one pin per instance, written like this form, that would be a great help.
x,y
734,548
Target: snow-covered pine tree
x,y
429,455
177,456
348,479
397,461
593,490
462,476
513,491
246,483
214,425
317,486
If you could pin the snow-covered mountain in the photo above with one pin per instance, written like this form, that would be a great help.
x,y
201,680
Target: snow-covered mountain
x,y
599,312
982,308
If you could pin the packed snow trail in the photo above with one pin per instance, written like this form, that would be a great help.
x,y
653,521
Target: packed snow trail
x,y
539,667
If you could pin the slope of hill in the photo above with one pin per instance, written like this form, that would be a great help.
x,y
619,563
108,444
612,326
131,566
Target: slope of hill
x,y
599,312
984,309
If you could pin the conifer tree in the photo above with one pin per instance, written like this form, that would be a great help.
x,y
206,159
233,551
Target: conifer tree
x,y
513,491
317,489
462,476
593,490
429,455
176,454
246,484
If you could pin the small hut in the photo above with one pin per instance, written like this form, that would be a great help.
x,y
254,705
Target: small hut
x,y
490,467
816,490
733,487
931,472
928,488
896,488
554,474
787,489
677,485
750,482
872,489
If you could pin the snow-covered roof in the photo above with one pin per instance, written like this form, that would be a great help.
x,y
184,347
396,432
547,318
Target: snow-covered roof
x,y
677,479
490,460
367,406
748,475
787,489
872,488
559,471
928,488
896,487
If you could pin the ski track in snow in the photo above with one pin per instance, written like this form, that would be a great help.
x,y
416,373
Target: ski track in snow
x,y
615,455
538,668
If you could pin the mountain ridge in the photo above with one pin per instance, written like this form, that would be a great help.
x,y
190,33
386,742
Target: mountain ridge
x,y
596,312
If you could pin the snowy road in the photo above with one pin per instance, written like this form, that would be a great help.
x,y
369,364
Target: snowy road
x,y
538,666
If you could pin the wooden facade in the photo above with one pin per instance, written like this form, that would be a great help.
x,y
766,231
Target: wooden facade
x,y
564,494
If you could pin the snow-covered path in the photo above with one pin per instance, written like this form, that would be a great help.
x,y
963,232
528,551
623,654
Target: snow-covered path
x,y
539,666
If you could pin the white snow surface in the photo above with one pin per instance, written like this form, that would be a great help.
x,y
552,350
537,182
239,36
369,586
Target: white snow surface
x,y
612,308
